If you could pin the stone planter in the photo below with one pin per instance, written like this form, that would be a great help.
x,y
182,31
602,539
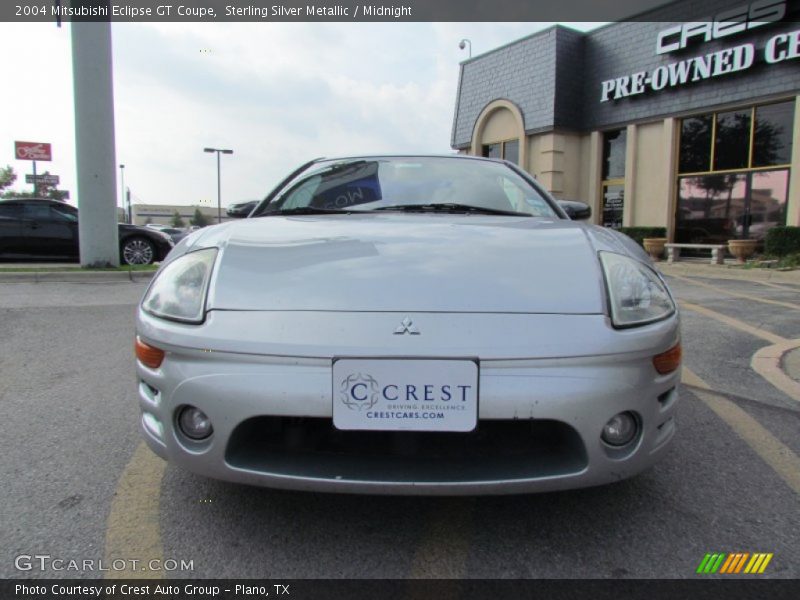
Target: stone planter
x,y
742,249
654,247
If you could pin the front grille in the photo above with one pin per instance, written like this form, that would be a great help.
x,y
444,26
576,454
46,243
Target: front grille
x,y
496,450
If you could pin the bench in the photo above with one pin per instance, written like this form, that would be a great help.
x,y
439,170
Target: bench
x,y
717,251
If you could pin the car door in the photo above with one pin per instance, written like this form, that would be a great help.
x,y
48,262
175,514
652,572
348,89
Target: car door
x,y
48,232
64,220
10,228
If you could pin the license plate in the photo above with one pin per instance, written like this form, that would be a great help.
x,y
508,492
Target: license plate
x,y
405,394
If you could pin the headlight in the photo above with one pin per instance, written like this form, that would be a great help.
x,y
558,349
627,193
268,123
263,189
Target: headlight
x,y
636,293
180,288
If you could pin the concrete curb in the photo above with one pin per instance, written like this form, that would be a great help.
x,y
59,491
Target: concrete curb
x,y
693,269
56,276
769,363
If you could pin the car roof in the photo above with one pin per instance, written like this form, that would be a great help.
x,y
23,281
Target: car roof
x,y
378,156
32,200
38,201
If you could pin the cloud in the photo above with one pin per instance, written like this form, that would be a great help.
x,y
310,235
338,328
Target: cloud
x,y
278,94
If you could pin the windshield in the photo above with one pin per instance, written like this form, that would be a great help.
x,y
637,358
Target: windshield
x,y
415,184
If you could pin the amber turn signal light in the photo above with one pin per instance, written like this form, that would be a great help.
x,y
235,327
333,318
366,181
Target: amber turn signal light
x,y
148,355
668,361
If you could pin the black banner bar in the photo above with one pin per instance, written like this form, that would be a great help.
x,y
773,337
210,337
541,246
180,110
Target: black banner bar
x,y
730,588
221,11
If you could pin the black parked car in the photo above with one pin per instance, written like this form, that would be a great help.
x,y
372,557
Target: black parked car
x,y
48,229
174,232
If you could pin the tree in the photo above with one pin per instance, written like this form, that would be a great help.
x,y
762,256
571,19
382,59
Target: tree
x,y
7,177
13,194
46,190
198,219
177,221
56,194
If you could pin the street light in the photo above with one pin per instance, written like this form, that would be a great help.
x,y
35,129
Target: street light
x,y
463,43
122,185
219,185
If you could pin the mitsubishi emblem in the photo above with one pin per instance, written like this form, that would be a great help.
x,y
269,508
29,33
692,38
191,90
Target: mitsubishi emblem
x,y
406,326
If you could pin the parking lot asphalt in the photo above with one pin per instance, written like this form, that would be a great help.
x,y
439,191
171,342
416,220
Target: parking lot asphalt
x,y
80,485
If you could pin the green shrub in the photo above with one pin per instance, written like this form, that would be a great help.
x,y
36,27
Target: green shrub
x,y
781,241
639,233
790,261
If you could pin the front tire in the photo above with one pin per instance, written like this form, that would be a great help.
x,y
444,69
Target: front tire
x,y
138,251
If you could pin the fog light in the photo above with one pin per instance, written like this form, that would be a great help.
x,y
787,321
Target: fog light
x,y
620,429
194,423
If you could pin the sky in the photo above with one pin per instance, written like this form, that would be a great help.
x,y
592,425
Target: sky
x,y
278,94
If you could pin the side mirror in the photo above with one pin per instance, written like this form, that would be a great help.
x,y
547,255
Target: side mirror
x,y
241,210
577,211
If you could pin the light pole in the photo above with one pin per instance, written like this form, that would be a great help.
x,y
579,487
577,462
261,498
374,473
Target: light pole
x,y
219,184
122,186
463,43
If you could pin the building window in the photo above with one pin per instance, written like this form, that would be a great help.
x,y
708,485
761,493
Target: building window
x,y
511,151
695,148
772,138
614,147
732,140
613,184
728,183
493,150
713,209
508,150
750,138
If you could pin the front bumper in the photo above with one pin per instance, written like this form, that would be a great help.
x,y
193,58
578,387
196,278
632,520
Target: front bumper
x,y
271,410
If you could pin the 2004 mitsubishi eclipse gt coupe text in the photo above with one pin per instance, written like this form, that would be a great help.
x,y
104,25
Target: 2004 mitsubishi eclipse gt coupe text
x,y
409,325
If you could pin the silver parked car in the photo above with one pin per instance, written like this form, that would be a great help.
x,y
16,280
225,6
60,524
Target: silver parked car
x,y
409,325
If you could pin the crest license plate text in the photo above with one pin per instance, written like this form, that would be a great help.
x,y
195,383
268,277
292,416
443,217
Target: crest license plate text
x,y
405,394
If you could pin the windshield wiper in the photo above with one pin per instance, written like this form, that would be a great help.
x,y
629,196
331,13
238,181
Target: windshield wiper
x,y
451,207
304,210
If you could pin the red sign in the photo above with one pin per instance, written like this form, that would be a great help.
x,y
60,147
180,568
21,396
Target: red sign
x,y
32,151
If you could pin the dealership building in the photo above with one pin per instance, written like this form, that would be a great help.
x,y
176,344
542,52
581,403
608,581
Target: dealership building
x,y
163,214
680,120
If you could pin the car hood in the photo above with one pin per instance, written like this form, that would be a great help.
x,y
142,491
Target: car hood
x,y
405,263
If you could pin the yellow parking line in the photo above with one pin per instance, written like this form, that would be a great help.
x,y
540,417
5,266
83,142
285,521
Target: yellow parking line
x,y
738,294
767,360
735,323
771,450
444,548
776,286
133,531
767,363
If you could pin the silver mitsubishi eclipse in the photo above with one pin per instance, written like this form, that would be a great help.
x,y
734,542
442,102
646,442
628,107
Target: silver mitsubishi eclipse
x,y
409,325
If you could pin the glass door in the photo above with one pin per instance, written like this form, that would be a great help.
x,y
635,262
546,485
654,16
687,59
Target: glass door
x,y
713,209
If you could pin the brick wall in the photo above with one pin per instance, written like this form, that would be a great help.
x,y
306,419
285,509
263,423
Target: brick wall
x,y
523,72
555,76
